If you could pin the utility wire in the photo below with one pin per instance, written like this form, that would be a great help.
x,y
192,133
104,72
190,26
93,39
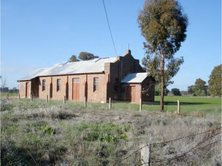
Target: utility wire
x,y
109,27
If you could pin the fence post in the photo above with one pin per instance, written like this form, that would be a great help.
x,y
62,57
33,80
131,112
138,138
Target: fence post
x,y
145,154
178,106
47,99
110,103
64,99
140,104
19,97
7,96
85,102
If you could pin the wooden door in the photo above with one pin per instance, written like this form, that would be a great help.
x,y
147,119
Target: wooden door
x,y
75,89
133,94
27,90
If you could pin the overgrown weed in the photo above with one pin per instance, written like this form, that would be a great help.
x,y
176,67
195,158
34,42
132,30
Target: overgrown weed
x,y
54,133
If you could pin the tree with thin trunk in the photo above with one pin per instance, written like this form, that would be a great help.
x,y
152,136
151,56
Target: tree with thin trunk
x,y
163,25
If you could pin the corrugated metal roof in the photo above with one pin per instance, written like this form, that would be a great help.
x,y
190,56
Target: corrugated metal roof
x,y
134,77
90,66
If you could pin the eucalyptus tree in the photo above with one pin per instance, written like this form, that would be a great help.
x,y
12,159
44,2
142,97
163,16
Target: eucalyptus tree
x,y
164,25
73,58
215,81
86,56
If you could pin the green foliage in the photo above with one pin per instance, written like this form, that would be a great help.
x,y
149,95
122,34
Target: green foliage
x,y
191,89
73,58
86,56
176,92
5,105
199,92
103,132
153,66
199,89
158,90
164,26
48,130
215,81
200,84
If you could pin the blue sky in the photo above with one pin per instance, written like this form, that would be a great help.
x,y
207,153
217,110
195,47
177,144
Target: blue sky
x,y
41,33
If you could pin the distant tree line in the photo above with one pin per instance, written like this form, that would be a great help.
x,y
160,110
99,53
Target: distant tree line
x,y
82,56
199,88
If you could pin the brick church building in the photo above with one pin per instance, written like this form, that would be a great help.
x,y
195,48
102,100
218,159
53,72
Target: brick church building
x,y
121,78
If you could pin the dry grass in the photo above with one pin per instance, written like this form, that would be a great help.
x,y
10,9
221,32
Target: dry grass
x,y
37,133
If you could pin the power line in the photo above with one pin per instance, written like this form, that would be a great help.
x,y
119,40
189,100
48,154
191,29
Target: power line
x,y
109,27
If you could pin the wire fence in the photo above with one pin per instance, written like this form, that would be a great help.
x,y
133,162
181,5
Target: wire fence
x,y
194,146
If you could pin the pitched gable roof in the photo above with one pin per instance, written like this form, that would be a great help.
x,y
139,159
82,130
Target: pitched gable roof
x,y
134,77
90,66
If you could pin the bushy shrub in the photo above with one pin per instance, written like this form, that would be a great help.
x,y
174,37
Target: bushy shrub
x,y
5,105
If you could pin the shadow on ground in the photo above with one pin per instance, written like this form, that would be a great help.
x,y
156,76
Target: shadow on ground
x,y
165,103
174,103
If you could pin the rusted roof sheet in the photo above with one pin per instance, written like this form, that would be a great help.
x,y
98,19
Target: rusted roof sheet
x,y
134,77
90,66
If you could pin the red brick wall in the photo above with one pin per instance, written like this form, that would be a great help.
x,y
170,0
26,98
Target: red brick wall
x,y
111,79
85,87
58,94
101,94
118,70
113,70
43,93
124,93
22,89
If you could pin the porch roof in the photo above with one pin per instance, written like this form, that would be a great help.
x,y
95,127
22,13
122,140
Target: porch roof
x,y
134,77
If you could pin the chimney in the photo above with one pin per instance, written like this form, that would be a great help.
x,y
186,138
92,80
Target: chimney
x,y
128,51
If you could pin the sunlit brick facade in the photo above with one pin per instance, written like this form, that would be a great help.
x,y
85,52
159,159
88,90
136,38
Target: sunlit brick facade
x,y
96,86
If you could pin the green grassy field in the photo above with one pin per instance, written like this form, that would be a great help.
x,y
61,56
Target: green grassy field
x,y
203,105
187,105
4,94
190,104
